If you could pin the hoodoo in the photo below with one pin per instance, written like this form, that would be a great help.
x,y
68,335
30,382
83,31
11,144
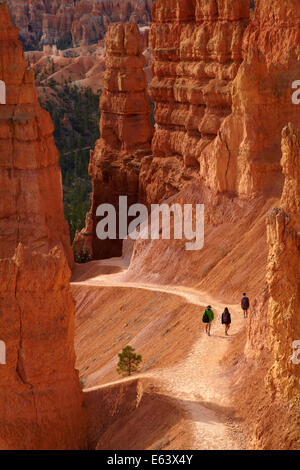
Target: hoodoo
x,y
272,347
126,133
283,273
40,394
31,208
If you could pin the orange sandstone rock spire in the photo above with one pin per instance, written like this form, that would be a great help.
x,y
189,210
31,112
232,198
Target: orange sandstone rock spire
x,y
273,331
283,273
126,133
31,208
40,394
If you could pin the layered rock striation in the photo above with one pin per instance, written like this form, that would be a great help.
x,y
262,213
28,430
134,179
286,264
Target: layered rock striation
x,y
273,332
197,48
126,133
223,78
40,394
31,209
267,160
245,156
283,275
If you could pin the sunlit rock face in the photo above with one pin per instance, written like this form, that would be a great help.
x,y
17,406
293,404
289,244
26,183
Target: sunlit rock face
x,y
40,394
223,77
283,274
245,156
126,133
31,208
197,48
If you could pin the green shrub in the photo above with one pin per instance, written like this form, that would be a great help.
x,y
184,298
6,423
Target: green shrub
x,y
82,255
128,361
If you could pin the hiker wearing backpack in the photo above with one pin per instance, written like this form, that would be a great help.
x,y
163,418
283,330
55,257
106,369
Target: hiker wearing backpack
x,y
226,320
208,317
245,303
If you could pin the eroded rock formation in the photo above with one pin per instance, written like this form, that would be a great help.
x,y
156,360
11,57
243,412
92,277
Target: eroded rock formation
x,y
223,91
125,130
47,21
40,394
273,331
245,156
197,47
31,209
283,275
92,18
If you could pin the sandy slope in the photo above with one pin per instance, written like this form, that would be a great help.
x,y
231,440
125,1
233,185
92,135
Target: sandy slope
x,y
197,382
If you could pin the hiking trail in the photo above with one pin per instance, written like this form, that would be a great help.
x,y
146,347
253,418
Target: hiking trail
x,y
198,382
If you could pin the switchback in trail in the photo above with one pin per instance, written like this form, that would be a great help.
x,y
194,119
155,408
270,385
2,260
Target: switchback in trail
x,y
197,382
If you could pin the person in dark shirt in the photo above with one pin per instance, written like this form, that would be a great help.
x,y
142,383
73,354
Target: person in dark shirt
x,y
226,320
245,303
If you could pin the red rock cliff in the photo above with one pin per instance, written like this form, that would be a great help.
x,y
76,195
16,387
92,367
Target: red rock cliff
x,y
223,91
125,130
269,381
283,273
197,47
40,394
245,156
31,209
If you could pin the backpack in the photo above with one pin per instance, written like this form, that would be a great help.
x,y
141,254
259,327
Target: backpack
x,y
245,303
225,318
205,318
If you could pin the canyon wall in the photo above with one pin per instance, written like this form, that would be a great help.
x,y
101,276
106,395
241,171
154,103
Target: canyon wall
x,y
283,274
197,48
31,209
40,394
249,139
47,21
227,129
222,89
125,130
268,373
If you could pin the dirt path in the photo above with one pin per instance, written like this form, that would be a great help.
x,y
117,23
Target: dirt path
x,y
198,382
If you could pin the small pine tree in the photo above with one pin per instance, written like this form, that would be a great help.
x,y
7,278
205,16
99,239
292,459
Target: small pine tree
x,y
82,255
128,361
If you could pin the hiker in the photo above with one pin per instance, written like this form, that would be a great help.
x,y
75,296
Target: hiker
x,y
207,318
226,320
245,303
